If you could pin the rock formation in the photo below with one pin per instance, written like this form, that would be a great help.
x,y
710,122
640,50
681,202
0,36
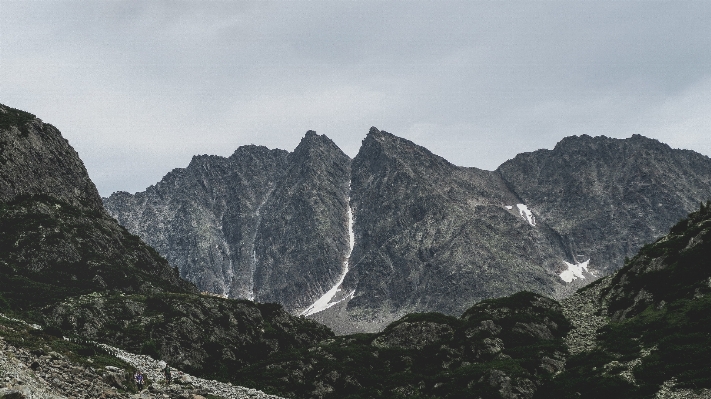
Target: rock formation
x,y
427,235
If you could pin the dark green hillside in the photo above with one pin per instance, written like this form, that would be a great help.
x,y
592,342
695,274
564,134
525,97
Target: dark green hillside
x,y
208,336
498,348
67,265
50,250
660,306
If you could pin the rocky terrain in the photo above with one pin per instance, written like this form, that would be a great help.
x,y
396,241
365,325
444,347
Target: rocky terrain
x,y
503,348
66,264
645,331
44,366
420,228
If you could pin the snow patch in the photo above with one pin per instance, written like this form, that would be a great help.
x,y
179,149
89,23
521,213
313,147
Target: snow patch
x,y
509,207
324,302
574,271
253,266
526,214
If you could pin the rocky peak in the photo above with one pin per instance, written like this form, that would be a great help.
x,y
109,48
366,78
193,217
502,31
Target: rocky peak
x,y
303,235
314,147
35,159
608,196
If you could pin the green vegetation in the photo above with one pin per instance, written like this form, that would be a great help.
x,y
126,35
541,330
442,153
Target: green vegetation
x,y
14,117
426,355
665,336
50,250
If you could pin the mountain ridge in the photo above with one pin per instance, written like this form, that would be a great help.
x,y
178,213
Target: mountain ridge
x,y
548,221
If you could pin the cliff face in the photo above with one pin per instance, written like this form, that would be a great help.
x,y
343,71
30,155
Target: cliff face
x,y
423,234
204,218
36,159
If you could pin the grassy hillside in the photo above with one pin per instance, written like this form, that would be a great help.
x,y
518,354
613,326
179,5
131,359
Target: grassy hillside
x,y
659,334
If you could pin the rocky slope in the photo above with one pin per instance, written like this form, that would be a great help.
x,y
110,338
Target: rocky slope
x,y
65,263
204,335
650,330
504,348
421,228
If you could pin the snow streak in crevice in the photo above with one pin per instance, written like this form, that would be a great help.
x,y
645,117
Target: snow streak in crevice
x,y
324,302
253,264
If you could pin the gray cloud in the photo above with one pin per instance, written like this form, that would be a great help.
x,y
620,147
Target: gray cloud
x,y
140,87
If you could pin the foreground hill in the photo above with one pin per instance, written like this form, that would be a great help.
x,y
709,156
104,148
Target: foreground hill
x,y
56,239
653,335
65,263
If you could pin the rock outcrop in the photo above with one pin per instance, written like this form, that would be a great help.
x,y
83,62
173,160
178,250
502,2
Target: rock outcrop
x,y
35,159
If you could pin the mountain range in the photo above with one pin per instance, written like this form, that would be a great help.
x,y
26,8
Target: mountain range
x,y
80,279
358,243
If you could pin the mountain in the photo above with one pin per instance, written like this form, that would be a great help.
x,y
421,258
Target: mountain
x,y
56,239
204,218
358,244
67,265
608,197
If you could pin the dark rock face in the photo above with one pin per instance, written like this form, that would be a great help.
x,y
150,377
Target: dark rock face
x,y
204,218
35,159
608,197
431,236
303,237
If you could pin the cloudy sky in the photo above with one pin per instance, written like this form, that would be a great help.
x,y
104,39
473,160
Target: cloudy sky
x,y
139,87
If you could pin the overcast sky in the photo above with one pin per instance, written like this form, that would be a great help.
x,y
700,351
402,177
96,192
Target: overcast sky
x,y
139,87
